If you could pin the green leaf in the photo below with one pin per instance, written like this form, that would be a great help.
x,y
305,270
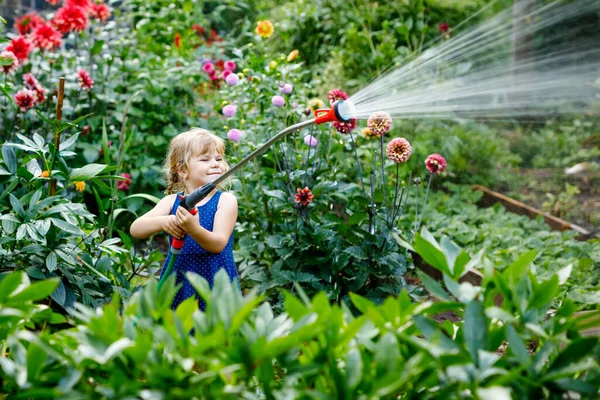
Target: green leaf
x,y
434,287
60,294
51,262
356,252
105,142
16,205
10,159
516,345
577,350
544,293
153,199
278,194
69,142
7,94
431,254
9,283
97,47
517,269
87,172
475,330
36,291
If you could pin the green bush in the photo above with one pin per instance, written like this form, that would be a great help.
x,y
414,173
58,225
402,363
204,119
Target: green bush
x,y
240,348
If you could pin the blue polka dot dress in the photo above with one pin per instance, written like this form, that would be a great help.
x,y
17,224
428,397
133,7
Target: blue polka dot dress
x,y
193,258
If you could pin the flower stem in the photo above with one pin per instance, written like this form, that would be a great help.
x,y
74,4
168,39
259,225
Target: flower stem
x,y
358,164
423,208
383,182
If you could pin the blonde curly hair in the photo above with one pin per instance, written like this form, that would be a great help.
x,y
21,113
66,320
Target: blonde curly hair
x,y
183,148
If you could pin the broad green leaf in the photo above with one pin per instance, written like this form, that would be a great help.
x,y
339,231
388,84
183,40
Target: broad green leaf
x,y
578,349
51,262
153,199
544,293
434,287
516,345
431,254
69,142
87,172
517,269
9,283
475,330
36,291
10,159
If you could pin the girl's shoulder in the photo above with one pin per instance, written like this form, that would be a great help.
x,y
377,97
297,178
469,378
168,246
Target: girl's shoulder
x,y
227,199
168,201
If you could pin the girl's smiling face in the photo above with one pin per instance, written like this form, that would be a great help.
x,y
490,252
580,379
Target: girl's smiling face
x,y
203,169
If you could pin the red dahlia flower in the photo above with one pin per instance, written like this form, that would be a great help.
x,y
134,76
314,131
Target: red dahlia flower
x,y
70,18
304,196
345,126
21,47
101,12
28,22
85,4
45,37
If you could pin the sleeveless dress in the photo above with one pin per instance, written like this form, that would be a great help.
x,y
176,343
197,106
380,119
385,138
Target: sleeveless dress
x,y
193,258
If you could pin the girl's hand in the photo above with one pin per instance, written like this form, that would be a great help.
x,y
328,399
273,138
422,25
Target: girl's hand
x,y
171,226
186,220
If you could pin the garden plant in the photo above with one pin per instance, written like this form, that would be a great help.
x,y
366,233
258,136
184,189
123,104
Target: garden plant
x,y
335,219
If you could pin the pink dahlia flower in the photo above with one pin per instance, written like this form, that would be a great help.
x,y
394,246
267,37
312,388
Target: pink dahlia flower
x,y
124,184
398,150
208,67
234,135
230,65
336,94
435,164
232,79
287,88
229,110
278,101
25,99
85,80
311,141
14,62
379,123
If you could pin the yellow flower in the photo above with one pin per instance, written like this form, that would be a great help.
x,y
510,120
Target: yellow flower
x,y
315,104
273,64
264,28
79,186
292,56
367,132
45,174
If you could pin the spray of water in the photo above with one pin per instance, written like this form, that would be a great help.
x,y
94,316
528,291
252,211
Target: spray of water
x,y
542,62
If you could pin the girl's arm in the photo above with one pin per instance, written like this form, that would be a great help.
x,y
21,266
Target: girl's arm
x,y
224,222
156,220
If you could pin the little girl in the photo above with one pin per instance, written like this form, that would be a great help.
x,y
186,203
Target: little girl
x,y
195,157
